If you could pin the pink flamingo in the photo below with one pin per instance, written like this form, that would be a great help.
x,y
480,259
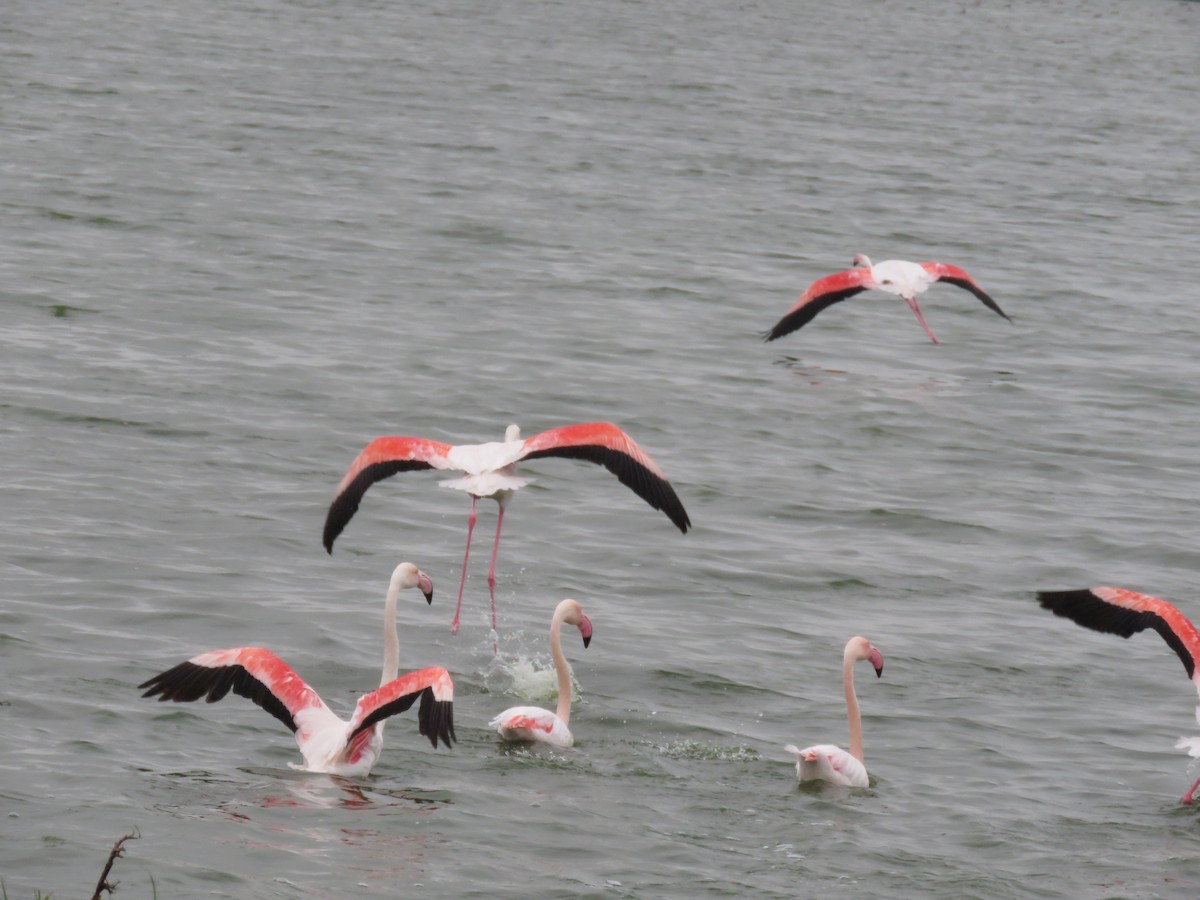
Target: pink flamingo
x,y
327,743
491,472
828,762
895,276
1118,611
532,723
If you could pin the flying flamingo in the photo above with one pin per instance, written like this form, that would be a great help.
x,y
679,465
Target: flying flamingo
x,y
531,723
895,276
1118,611
491,472
827,762
327,743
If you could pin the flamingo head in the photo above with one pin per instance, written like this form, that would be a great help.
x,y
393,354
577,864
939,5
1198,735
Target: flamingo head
x,y
876,659
571,612
425,584
861,261
407,575
860,648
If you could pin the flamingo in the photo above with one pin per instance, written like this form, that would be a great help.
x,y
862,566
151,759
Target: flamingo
x,y
1119,611
532,723
828,762
895,276
327,743
491,473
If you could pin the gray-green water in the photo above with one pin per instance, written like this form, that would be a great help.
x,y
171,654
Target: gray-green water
x,y
240,240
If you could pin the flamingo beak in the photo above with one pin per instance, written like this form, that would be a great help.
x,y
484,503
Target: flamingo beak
x,y
585,628
425,583
876,659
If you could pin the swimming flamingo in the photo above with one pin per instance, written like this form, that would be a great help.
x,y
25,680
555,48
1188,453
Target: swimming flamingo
x,y
827,762
895,276
1118,611
491,472
532,723
327,743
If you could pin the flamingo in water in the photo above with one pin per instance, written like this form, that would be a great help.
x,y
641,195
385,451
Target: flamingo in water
x,y
327,743
491,473
827,762
895,276
1119,611
532,723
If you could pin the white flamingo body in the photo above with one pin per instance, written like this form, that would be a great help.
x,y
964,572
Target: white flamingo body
x,y
490,473
532,723
827,762
327,742
1119,611
893,276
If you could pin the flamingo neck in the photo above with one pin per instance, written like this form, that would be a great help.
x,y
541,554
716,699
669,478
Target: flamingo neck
x,y
856,739
562,669
391,640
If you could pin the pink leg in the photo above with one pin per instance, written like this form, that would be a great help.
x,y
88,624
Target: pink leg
x,y
1191,794
492,575
463,583
912,304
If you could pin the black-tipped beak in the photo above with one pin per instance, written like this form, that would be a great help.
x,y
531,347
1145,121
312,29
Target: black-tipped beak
x,y
428,596
587,640
879,671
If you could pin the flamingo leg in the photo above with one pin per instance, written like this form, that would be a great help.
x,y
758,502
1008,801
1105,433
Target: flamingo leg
x,y
466,553
912,304
492,575
1191,794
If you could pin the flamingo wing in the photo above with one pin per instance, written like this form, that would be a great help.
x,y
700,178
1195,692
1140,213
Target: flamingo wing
x,y
435,715
251,672
382,458
851,770
1118,611
821,294
958,277
607,445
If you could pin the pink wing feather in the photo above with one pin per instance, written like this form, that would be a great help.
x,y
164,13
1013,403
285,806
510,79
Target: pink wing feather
x,y
821,294
607,445
382,458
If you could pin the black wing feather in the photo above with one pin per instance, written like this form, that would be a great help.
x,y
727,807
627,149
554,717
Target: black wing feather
x,y
654,490
345,504
1084,608
805,314
978,292
187,682
435,718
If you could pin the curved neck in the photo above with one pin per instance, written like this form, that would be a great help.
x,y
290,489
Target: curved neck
x,y
856,740
562,669
391,641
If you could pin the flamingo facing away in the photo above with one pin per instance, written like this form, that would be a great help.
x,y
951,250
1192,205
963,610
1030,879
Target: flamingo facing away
x,y
895,276
827,762
531,723
327,743
491,472
1118,611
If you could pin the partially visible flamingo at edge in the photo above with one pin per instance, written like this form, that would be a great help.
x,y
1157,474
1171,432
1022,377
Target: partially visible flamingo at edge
x,y
327,743
491,473
1119,611
828,762
894,276
532,723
